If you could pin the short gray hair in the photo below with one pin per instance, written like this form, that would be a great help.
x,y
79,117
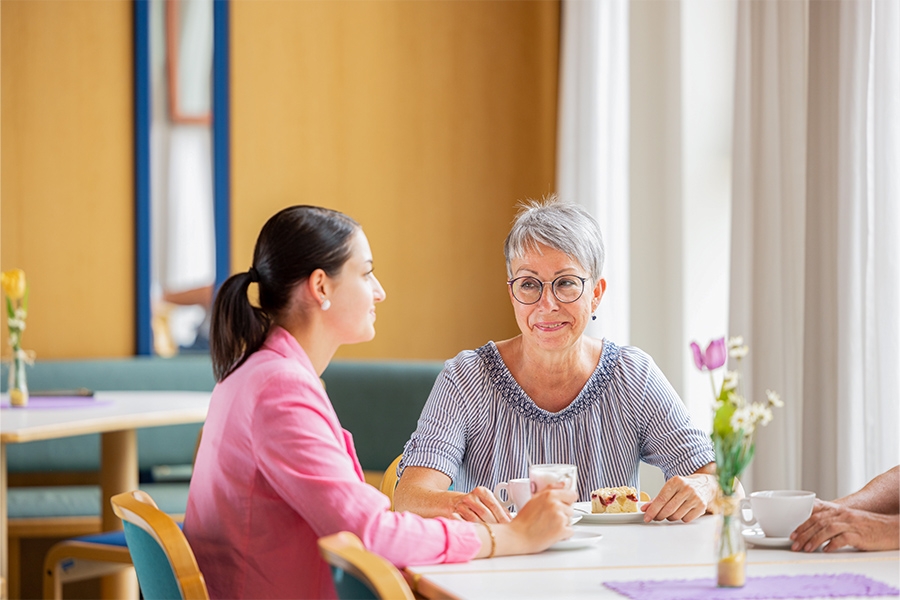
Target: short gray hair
x,y
560,225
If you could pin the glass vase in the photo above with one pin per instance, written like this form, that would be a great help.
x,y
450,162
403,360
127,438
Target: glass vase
x,y
731,552
18,384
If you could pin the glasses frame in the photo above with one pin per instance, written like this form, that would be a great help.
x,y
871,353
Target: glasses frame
x,y
552,288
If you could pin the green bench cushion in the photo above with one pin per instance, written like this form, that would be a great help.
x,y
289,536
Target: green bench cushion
x,y
379,402
84,500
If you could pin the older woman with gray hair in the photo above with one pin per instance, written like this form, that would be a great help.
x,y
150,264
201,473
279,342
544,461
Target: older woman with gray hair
x,y
553,394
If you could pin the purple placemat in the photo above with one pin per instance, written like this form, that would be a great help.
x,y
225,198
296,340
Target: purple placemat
x,y
775,586
58,402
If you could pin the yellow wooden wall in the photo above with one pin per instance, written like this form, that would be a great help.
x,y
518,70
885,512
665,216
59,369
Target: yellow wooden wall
x,y
425,121
66,172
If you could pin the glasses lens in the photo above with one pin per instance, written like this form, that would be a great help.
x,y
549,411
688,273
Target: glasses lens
x,y
527,290
568,288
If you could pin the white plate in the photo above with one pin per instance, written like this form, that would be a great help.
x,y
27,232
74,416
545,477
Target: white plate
x,y
758,538
579,539
574,519
608,519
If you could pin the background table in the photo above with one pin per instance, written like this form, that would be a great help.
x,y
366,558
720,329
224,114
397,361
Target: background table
x,y
116,416
633,552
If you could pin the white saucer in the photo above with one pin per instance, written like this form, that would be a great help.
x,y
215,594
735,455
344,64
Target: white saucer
x,y
572,520
579,539
758,538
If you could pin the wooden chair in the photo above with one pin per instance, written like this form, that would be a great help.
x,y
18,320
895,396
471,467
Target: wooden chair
x,y
389,480
162,556
88,556
359,573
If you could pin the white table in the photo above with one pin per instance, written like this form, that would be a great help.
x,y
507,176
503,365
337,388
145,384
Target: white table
x,y
116,416
632,552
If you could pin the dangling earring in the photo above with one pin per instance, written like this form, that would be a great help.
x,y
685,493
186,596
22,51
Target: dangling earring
x,y
326,304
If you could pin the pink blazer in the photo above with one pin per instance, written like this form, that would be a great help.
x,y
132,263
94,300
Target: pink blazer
x,y
275,471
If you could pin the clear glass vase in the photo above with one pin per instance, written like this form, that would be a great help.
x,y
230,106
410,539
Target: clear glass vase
x,y
18,384
731,552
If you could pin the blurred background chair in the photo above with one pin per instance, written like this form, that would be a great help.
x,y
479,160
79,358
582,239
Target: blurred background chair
x,y
88,556
360,574
162,556
389,480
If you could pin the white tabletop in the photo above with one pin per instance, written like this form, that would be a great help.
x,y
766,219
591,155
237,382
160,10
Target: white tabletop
x,y
113,411
633,552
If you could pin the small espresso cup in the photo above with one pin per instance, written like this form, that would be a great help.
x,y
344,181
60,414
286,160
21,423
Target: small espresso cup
x,y
546,475
779,512
518,492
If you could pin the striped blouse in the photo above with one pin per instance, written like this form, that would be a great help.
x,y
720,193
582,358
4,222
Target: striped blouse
x,y
478,425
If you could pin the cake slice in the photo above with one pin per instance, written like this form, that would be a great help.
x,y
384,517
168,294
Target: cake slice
x,y
614,500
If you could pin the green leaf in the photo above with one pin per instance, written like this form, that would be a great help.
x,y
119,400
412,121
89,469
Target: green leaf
x,y
10,311
722,420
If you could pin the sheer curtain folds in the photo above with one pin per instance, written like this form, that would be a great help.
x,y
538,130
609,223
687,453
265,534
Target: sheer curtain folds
x,y
592,157
815,223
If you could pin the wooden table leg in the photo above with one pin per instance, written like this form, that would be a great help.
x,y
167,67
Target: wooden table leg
x,y
118,473
4,530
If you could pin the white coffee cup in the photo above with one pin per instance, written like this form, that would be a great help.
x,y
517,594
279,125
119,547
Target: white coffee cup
x,y
546,475
518,492
779,512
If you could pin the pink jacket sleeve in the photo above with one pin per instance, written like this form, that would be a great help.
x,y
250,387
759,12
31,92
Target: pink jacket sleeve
x,y
310,461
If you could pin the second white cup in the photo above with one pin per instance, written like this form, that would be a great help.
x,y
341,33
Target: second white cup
x,y
779,512
518,492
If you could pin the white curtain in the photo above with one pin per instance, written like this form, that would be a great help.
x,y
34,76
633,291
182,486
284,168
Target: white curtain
x,y
815,258
592,156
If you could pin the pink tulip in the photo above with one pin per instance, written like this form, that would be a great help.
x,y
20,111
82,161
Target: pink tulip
x,y
715,356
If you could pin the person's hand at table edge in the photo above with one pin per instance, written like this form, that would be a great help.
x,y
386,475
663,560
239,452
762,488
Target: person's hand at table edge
x,y
684,498
838,526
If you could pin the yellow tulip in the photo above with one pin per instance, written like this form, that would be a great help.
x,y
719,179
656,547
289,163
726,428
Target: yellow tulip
x,y
13,283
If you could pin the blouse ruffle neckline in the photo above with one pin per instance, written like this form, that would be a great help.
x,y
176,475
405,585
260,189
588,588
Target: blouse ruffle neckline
x,y
518,400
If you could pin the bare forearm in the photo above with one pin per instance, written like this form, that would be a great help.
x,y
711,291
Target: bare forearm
x,y
881,495
424,502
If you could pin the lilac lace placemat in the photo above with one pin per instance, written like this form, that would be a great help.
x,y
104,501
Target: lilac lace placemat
x,y
776,586
58,402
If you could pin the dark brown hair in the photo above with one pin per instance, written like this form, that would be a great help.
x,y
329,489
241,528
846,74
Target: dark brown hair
x,y
291,245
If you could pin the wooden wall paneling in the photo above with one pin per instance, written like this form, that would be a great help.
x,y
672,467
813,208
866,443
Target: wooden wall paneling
x,y
66,172
425,121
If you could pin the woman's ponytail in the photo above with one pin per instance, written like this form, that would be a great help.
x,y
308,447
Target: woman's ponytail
x,y
237,329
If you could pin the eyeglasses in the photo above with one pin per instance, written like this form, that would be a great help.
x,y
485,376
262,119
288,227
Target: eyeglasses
x,y
528,290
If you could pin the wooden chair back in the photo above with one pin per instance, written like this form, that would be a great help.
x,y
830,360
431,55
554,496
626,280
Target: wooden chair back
x,y
162,556
359,573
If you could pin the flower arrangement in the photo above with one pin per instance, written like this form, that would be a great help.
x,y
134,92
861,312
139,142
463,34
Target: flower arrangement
x,y
734,422
16,291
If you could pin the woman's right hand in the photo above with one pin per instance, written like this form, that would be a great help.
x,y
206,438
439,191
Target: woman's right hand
x,y
542,522
480,505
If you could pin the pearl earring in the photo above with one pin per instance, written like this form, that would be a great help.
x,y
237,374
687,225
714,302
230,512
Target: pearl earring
x,y
326,304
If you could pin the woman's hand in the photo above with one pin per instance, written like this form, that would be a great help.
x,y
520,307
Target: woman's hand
x,y
682,498
543,521
840,526
480,506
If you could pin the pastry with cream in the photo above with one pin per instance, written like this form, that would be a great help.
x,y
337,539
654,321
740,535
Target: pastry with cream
x,y
614,500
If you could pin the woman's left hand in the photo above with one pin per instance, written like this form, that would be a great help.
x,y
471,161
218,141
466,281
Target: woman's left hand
x,y
682,498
